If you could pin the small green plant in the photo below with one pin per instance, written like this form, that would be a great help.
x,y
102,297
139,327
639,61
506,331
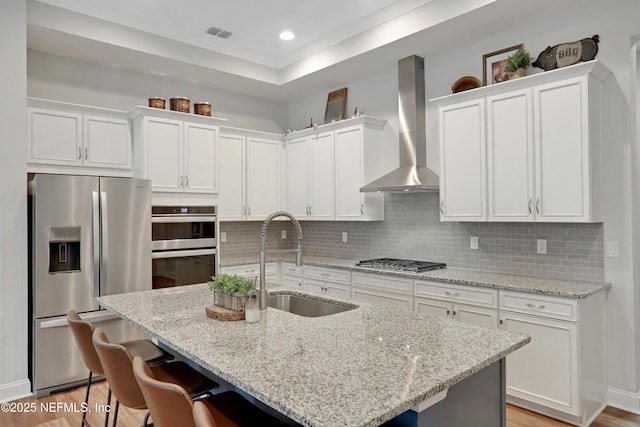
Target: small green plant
x,y
230,283
520,59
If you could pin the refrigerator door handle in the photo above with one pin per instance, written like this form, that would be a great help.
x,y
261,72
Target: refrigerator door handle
x,y
176,254
104,258
95,249
91,318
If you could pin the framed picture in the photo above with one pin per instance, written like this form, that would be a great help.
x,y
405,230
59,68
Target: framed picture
x,y
336,103
493,64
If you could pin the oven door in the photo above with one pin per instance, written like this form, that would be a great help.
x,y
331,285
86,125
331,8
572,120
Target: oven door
x,y
183,267
182,232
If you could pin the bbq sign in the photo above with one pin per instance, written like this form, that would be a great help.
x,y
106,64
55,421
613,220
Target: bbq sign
x,y
561,55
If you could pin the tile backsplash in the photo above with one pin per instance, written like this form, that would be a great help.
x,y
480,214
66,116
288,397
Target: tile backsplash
x,y
412,229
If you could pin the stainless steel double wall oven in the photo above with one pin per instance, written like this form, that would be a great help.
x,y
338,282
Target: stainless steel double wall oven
x,y
184,245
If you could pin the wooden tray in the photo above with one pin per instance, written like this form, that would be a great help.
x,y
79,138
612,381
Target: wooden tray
x,y
224,314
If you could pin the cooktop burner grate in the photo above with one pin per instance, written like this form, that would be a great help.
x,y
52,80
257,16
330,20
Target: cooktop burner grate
x,y
401,264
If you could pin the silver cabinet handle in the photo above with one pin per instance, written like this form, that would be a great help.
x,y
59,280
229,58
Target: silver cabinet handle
x,y
448,312
244,210
86,153
452,294
310,211
530,201
186,181
538,205
362,209
79,153
442,207
248,210
536,306
181,181
325,274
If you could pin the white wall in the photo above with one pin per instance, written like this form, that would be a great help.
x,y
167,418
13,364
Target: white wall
x,y
13,203
64,79
616,23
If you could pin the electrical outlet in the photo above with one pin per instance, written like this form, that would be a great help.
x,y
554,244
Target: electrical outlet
x,y
612,249
473,242
284,234
223,236
542,246
344,237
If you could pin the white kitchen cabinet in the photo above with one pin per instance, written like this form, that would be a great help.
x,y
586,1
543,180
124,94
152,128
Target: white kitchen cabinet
x,y
561,372
311,177
465,303
70,138
327,185
329,281
543,149
382,289
178,152
358,162
291,275
252,272
463,161
250,174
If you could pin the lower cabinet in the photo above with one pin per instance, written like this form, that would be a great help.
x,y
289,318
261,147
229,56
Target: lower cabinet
x,y
382,289
291,275
561,372
481,316
328,281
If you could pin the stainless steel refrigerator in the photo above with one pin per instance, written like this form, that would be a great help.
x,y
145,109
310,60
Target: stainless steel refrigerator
x,y
89,236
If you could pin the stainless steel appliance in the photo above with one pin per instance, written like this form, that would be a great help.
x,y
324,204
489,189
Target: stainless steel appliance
x,y
184,245
401,264
89,236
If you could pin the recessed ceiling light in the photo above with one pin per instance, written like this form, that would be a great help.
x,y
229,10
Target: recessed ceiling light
x,y
287,35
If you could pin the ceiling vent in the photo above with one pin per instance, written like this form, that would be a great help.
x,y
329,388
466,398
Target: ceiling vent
x,y
219,32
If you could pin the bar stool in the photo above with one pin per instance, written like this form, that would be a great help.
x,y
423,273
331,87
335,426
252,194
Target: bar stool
x,y
117,361
202,417
170,405
82,332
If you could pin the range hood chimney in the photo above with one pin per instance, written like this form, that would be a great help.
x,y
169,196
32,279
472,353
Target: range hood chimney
x,y
412,174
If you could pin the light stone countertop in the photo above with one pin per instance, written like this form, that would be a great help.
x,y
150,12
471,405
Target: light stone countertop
x,y
356,368
460,276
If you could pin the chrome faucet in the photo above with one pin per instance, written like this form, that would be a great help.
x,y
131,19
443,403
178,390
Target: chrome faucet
x,y
262,289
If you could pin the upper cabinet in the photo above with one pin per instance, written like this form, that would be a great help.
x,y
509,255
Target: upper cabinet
x,y
326,167
70,138
525,150
250,174
178,152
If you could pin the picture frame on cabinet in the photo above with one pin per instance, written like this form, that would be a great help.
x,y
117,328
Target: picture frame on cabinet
x,y
336,104
493,64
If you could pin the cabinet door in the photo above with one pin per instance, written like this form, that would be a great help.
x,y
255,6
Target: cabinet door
x,y
298,177
380,297
433,307
164,144
480,316
545,371
338,290
349,174
231,200
200,158
107,142
313,285
293,282
510,156
463,162
263,177
562,151
54,137
321,169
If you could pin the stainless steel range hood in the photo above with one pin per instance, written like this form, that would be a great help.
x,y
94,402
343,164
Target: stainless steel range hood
x,y
412,174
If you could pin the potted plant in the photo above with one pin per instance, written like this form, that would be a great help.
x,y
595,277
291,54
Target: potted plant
x,y
230,291
517,64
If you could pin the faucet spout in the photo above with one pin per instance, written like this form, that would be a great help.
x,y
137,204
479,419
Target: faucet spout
x,y
262,287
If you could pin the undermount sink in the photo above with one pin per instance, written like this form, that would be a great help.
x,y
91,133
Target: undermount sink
x,y
305,306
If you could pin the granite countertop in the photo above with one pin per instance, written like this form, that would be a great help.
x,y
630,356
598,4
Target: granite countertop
x,y
460,276
356,368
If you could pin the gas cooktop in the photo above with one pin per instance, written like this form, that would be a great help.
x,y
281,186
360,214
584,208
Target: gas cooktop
x,y
401,264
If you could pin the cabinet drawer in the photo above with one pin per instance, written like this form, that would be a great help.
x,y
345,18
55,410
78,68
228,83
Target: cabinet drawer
x,y
541,305
249,269
291,269
460,293
383,282
327,274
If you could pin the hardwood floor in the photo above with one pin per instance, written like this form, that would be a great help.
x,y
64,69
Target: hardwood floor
x,y
51,412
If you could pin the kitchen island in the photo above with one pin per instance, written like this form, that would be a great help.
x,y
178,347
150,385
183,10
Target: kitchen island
x,y
361,367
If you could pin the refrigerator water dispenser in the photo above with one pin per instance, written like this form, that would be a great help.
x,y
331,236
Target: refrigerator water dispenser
x,y
64,249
